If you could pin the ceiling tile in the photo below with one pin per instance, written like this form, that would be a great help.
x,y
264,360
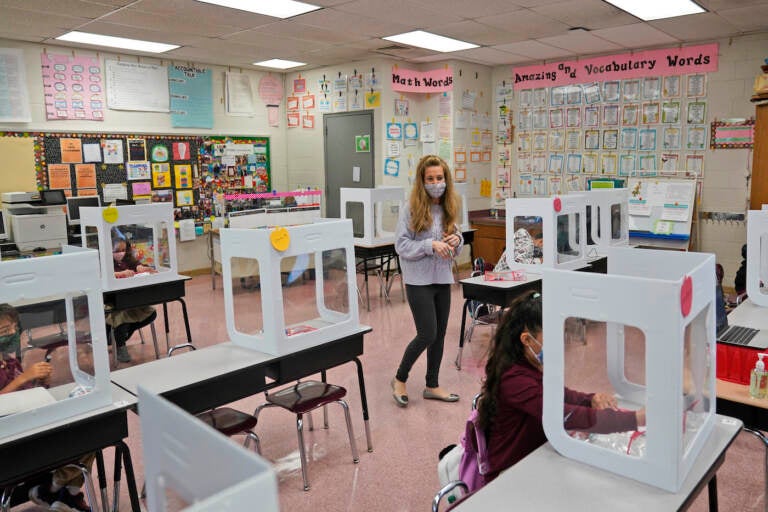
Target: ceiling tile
x,y
747,18
471,10
206,55
77,8
591,14
169,24
490,56
525,24
580,42
294,30
20,36
400,11
21,18
718,5
191,10
696,27
534,50
259,38
474,32
352,22
638,35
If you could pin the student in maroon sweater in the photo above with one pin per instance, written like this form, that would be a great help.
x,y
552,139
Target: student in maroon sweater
x,y
510,412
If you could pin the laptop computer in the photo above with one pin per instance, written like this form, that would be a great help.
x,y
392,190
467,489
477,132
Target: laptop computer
x,y
742,336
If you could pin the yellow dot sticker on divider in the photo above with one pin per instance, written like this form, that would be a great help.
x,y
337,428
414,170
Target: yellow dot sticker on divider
x,y
280,239
109,214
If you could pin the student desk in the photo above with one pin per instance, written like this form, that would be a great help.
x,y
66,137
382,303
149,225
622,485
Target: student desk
x,y
151,295
45,448
219,374
545,480
498,293
368,256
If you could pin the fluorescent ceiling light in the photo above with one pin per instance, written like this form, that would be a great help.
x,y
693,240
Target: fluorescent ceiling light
x,y
279,63
275,8
648,10
431,41
117,42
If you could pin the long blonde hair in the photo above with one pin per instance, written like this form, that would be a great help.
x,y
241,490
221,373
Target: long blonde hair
x,y
420,201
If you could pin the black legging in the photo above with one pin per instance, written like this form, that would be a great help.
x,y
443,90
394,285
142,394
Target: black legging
x,y
430,305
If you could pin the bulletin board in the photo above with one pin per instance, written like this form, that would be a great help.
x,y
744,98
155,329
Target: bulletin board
x,y
661,207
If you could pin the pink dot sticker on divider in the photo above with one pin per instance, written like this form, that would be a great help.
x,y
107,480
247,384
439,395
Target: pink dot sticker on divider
x,y
686,296
558,204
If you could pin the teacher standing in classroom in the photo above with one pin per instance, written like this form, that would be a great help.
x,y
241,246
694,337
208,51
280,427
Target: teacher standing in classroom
x,y
427,239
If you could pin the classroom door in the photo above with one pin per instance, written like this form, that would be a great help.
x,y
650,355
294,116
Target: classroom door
x,y
348,141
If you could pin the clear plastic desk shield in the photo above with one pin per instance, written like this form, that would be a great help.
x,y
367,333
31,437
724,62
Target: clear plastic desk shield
x,y
280,299
54,304
757,256
607,216
651,343
554,226
191,461
462,190
145,231
374,212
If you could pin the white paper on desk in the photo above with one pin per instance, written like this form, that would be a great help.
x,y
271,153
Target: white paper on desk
x,y
186,230
25,400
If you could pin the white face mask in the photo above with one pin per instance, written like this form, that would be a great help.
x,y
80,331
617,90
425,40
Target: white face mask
x,y
435,190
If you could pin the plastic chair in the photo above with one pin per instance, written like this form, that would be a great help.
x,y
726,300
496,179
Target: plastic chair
x,y
149,321
480,313
373,267
231,422
301,399
448,490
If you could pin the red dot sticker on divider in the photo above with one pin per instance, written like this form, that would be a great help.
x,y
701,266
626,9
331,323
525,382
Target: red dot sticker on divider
x,y
558,204
686,296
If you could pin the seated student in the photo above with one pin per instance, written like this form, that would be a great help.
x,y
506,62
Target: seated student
x,y
527,247
740,281
510,411
63,493
125,322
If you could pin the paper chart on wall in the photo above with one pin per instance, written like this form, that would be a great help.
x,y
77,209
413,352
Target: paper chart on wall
x,y
427,132
460,119
14,96
137,86
239,94
73,87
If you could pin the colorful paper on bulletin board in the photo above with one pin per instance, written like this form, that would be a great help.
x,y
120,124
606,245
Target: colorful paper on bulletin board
x,y
71,151
373,99
183,174
394,131
161,177
140,170
85,176
391,167
184,198
667,61
141,188
181,151
87,192
191,90
735,135
137,150
73,87
163,196
58,176
411,131
113,151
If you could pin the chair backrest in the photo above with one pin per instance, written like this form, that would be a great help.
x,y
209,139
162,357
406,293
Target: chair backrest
x,y
449,490
474,461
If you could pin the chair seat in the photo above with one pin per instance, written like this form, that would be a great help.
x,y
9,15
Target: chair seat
x,y
305,396
228,421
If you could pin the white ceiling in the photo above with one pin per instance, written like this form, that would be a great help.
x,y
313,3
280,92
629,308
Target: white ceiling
x,y
509,31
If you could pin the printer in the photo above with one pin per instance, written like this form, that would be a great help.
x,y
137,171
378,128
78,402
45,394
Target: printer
x,y
35,219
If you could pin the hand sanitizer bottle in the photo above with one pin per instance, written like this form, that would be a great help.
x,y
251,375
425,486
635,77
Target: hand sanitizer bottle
x,y
758,382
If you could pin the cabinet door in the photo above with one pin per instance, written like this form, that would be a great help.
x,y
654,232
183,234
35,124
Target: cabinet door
x,y
758,195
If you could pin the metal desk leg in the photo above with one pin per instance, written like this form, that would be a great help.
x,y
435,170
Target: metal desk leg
x,y
764,439
365,276
167,328
130,477
461,333
102,481
188,344
712,489
364,402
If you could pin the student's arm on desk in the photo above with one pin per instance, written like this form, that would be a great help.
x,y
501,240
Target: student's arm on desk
x,y
38,371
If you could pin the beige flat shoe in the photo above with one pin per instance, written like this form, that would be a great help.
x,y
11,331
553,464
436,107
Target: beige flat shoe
x,y
429,395
400,400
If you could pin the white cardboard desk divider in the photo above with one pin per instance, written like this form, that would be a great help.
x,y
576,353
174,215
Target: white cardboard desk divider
x,y
284,217
757,256
651,291
462,190
549,209
159,218
373,200
324,235
601,203
203,467
69,275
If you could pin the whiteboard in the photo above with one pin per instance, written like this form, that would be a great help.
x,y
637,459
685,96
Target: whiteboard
x,y
661,206
137,86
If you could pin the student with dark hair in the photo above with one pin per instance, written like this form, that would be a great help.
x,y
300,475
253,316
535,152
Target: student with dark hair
x,y
510,411
740,281
61,491
125,322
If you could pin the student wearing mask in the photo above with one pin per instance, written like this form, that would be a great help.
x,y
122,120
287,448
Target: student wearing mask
x,y
427,239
